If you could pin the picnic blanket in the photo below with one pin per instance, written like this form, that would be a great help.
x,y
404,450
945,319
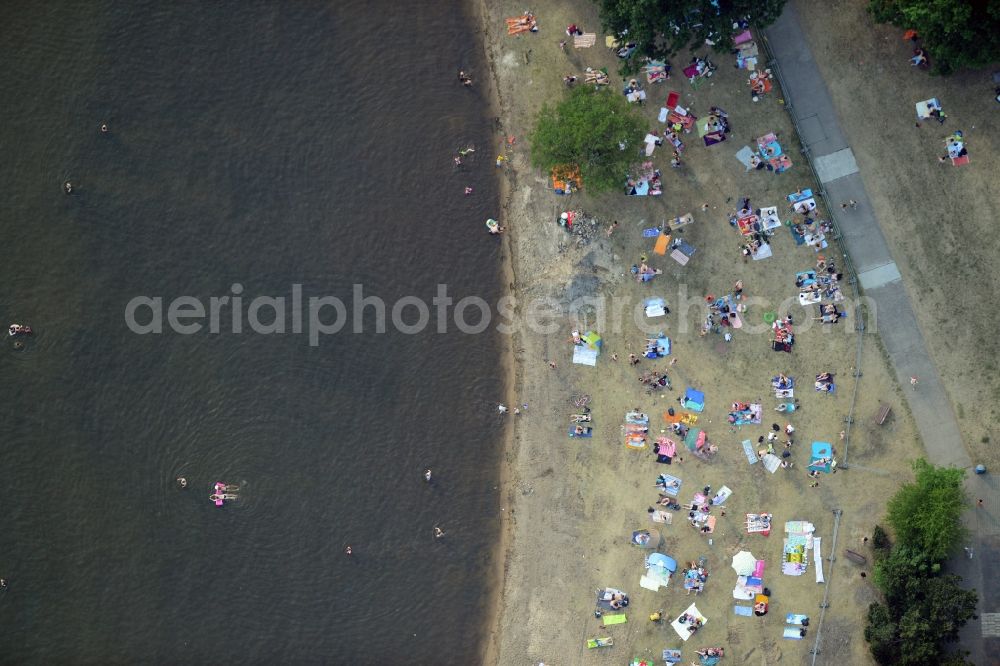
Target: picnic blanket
x,y
748,450
694,400
672,656
655,307
797,619
769,218
585,41
751,415
793,633
762,252
771,462
758,523
743,155
924,108
682,628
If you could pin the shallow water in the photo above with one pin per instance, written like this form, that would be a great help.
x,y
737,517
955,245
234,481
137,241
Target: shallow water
x,y
265,144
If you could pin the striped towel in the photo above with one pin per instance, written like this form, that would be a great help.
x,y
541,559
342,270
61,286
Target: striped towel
x,y
585,41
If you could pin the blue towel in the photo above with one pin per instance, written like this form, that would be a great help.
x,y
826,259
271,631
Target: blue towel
x,y
794,618
670,491
650,233
685,247
743,611
748,449
792,633
799,238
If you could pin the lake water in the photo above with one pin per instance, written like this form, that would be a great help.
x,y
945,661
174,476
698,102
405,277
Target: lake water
x,y
263,144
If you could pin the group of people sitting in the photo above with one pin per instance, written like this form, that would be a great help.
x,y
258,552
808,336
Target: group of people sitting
x,y
718,124
824,382
693,622
784,338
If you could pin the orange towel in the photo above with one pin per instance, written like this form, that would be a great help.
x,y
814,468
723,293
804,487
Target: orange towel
x,y
662,241
676,418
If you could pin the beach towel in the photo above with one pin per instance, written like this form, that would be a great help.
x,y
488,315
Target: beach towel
x,y
680,257
771,462
682,627
585,41
662,117
924,108
655,307
793,633
583,355
748,450
743,611
799,196
710,524
721,496
672,491
672,656
797,619
743,155
662,241
818,560
672,98
651,232
685,247
662,517
614,619
694,400
758,570
742,594
763,252
821,450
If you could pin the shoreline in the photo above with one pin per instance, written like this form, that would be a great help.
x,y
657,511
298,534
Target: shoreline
x,y
480,18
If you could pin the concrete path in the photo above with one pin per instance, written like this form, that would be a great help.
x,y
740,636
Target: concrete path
x,y
809,101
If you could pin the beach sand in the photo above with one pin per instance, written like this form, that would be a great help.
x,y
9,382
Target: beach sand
x,y
571,504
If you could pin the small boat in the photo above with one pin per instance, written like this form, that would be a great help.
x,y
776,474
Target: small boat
x,y
857,558
600,642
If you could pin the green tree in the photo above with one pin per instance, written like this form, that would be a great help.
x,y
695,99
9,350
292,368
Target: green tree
x,y
956,33
595,130
925,514
880,633
901,576
660,28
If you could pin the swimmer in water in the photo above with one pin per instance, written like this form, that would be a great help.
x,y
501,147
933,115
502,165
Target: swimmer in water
x,y
427,475
68,187
438,532
468,191
457,160
182,482
104,128
348,550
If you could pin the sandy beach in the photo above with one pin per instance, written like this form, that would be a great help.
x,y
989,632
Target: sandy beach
x,y
571,504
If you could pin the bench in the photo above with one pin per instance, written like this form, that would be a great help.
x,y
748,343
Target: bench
x,y
884,410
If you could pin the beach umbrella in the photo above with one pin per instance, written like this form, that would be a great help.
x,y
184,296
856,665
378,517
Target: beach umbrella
x,y
744,563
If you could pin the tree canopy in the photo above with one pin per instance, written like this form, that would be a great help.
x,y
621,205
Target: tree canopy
x,y
660,28
923,608
925,514
956,33
596,130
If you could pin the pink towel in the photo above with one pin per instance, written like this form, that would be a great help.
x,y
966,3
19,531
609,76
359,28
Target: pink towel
x,y
758,570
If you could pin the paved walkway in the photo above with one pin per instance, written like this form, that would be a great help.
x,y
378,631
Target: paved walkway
x,y
809,102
